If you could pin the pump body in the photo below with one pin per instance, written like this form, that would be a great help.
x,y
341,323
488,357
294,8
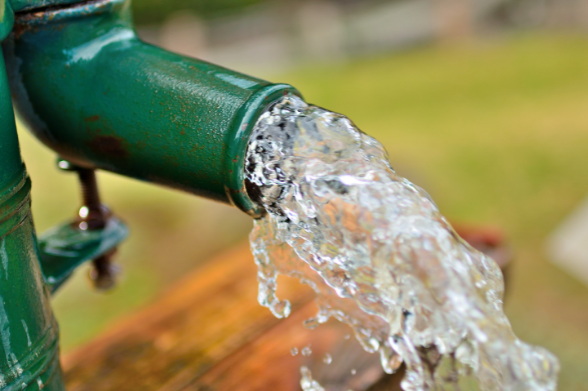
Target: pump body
x,y
100,98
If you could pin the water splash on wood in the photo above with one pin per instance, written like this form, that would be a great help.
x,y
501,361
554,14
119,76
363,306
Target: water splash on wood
x,y
380,257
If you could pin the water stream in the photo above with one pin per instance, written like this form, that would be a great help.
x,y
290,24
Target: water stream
x,y
380,257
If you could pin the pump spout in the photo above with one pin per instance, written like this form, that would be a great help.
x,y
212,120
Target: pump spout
x,y
99,97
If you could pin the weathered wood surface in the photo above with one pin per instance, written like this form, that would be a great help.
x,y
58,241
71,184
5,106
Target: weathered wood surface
x,y
210,334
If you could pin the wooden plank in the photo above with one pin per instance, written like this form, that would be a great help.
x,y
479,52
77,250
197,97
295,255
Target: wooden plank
x,y
210,334
267,362
175,340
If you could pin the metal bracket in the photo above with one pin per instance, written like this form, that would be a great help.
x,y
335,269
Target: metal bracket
x,y
65,247
93,235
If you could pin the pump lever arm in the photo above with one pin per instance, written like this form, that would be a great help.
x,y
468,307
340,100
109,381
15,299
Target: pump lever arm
x,y
93,235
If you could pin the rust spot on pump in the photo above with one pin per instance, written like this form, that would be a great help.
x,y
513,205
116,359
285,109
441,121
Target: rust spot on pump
x,y
92,118
110,146
21,28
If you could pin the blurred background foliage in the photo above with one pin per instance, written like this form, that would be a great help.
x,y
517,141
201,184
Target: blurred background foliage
x,y
156,11
491,120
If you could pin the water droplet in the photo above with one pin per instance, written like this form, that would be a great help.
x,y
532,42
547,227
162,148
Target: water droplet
x,y
306,351
311,323
307,382
353,371
294,351
327,359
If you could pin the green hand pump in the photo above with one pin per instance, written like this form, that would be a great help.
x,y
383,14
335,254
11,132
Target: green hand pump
x,y
90,90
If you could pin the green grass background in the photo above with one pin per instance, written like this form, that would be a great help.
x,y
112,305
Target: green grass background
x,y
495,130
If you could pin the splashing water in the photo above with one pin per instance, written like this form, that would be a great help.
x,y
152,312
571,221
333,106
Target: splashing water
x,y
307,383
380,257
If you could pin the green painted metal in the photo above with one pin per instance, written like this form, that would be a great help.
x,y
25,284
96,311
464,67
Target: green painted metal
x,y
10,161
101,98
21,5
97,95
29,352
65,247
29,344
29,358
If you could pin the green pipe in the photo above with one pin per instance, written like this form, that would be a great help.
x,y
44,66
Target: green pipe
x,y
22,5
10,160
29,351
101,98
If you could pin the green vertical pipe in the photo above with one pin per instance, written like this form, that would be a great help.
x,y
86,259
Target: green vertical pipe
x,y
11,164
29,351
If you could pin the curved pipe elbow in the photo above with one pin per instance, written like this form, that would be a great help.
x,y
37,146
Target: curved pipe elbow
x,y
98,96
